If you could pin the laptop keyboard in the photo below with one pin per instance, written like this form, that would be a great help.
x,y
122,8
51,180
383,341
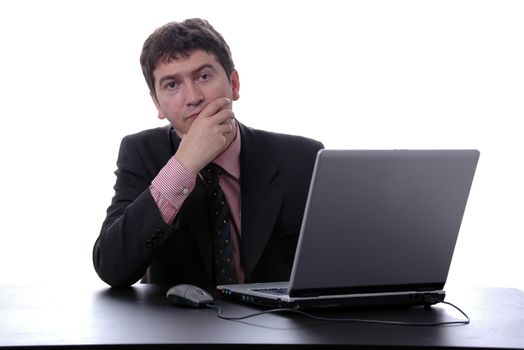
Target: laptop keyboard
x,y
276,291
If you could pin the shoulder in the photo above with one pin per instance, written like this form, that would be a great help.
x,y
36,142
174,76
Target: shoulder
x,y
150,148
270,137
155,135
283,145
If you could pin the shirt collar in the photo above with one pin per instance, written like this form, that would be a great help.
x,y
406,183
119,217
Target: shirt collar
x,y
229,159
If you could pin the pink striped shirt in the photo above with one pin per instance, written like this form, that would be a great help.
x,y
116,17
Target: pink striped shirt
x,y
174,184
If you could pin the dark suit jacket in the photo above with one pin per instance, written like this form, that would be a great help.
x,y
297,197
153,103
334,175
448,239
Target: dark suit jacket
x,y
135,242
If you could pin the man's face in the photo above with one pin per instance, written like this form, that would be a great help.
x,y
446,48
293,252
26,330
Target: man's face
x,y
186,85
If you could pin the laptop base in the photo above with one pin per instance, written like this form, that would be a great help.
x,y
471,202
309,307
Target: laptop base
x,y
250,295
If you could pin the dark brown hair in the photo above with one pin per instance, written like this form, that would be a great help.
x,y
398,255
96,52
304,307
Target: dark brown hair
x,y
177,39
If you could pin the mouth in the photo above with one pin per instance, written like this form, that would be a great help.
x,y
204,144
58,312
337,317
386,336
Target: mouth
x,y
193,116
190,119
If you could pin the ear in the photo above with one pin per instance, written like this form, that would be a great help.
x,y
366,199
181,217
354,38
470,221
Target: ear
x,y
235,85
157,105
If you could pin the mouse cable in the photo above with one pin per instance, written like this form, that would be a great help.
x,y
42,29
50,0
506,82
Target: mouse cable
x,y
218,309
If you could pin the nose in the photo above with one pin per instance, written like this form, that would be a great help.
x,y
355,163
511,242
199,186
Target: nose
x,y
194,95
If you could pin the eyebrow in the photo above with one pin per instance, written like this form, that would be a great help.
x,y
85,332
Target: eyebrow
x,y
176,76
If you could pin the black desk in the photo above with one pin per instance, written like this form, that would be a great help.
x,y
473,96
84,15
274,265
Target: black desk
x,y
71,316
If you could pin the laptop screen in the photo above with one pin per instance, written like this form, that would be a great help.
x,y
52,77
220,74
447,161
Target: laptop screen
x,y
381,220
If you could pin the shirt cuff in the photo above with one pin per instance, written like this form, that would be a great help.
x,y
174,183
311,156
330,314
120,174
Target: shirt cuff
x,y
170,188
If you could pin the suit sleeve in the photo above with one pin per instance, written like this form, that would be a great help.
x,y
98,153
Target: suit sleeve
x,y
133,229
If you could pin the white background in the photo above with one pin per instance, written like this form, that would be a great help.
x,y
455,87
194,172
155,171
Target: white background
x,y
353,74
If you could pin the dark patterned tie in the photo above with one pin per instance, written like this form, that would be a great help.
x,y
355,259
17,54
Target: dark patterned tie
x,y
220,225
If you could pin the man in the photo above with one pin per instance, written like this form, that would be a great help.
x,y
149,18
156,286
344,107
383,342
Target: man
x,y
159,226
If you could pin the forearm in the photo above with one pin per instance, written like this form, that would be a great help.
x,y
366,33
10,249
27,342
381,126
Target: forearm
x,y
138,220
127,244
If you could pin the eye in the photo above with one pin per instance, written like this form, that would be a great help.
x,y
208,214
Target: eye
x,y
205,76
171,85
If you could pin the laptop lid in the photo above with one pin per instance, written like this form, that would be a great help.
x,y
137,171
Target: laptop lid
x,y
381,221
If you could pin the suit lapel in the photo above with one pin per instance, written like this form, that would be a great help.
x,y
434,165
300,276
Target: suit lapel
x,y
260,201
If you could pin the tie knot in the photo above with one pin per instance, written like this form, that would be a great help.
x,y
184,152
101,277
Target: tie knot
x,y
211,174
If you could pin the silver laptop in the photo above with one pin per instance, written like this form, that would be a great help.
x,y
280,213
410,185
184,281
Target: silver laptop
x,y
379,228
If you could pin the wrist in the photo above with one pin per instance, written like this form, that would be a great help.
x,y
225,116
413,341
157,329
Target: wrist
x,y
188,163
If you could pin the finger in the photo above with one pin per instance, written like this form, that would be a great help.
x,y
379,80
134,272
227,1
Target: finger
x,y
224,116
223,129
216,106
231,123
226,128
